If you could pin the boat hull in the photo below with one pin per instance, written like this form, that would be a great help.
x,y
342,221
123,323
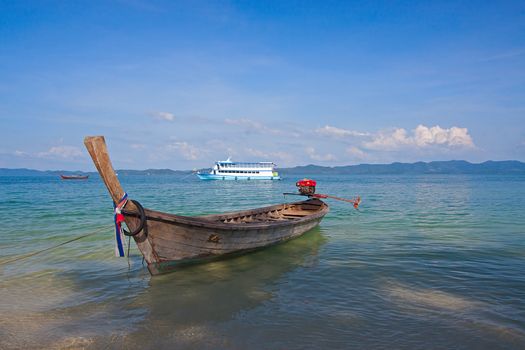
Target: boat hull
x,y
178,240
74,177
237,177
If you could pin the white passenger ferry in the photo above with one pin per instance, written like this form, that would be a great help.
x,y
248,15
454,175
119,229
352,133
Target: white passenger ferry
x,y
228,170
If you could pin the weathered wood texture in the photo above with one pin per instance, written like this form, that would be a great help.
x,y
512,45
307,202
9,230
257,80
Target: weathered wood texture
x,y
184,239
96,146
174,239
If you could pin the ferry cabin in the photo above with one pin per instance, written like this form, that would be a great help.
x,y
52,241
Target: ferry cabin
x,y
228,170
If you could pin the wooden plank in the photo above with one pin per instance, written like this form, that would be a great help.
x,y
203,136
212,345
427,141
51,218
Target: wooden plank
x,y
96,146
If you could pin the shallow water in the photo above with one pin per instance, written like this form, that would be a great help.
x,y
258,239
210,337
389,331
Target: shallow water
x,y
428,262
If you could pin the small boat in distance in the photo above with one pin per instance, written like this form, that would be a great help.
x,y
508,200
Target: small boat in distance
x,y
228,170
74,177
167,240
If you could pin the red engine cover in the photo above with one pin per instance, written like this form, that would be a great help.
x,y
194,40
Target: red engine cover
x,y
306,183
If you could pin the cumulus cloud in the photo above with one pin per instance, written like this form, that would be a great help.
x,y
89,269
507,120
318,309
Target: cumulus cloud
x,y
166,116
186,150
421,137
320,157
332,131
64,152
388,140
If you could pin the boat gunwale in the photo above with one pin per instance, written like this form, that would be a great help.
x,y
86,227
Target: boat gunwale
x,y
213,220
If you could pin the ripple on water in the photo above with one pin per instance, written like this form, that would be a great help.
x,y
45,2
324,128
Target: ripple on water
x,y
425,263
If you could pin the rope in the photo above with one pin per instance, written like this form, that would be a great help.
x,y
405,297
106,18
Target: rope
x,y
129,243
141,215
53,247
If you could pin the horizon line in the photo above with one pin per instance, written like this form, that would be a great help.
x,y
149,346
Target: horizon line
x,y
292,167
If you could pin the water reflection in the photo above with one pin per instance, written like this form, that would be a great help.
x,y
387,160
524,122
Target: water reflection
x,y
182,305
94,305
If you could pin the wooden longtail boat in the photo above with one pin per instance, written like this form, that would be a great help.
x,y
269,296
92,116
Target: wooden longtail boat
x,y
167,240
74,177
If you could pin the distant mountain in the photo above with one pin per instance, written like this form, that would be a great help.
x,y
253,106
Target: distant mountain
x,y
123,172
152,172
32,172
441,167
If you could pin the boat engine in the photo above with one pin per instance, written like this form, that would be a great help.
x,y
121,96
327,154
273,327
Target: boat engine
x,y
306,186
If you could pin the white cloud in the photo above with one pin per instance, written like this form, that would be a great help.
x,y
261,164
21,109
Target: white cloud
x,y
388,140
169,117
421,137
64,152
320,157
270,156
20,153
333,131
186,150
356,153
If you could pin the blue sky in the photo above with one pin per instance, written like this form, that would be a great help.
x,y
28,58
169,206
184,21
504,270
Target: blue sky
x,y
180,84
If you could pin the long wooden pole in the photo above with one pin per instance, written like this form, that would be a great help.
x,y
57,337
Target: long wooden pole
x,y
96,146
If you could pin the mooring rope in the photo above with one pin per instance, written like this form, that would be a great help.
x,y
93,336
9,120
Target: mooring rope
x,y
53,247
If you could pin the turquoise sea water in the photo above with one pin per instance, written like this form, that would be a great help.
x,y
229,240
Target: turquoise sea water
x,y
429,262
